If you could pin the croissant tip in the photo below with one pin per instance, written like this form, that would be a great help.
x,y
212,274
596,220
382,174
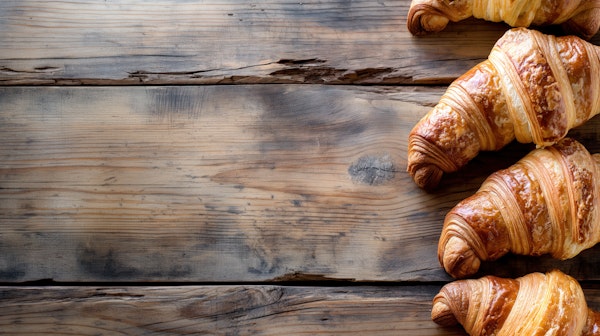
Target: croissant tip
x,y
423,19
458,259
573,29
584,25
442,314
428,177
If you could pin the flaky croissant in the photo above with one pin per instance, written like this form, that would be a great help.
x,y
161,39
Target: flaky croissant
x,y
580,17
533,86
535,304
546,203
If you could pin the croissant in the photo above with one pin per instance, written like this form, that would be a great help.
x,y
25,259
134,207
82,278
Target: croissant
x,y
535,304
533,87
546,203
580,17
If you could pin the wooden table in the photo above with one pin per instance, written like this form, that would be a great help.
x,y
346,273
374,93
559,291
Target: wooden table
x,y
230,168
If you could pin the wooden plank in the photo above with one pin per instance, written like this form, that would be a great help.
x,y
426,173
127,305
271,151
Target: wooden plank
x,y
208,42
228,183
226,310
221,310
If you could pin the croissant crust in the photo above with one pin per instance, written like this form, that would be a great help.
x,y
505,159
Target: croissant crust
x,y
546,203
533,88
579,17
535,304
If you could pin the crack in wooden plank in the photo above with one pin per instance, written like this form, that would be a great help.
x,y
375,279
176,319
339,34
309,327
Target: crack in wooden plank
x,y
36,70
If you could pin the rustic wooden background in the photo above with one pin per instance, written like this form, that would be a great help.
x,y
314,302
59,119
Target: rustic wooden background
x,y
230,168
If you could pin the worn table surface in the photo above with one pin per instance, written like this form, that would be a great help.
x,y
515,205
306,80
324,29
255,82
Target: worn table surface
x,y
142,193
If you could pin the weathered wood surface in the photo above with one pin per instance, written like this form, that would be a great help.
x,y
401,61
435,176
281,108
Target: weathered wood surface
x,y
209,42
222,310
226,310
229,183
279,185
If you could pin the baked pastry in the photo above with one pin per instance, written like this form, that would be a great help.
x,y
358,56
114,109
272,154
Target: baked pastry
x,y
546,203
580,17
533,87
535,304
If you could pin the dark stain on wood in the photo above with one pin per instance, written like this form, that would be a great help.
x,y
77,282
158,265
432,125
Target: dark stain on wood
x,y
234,210
12,273
264,266
173,103
107,263
300,119
13,265
372,169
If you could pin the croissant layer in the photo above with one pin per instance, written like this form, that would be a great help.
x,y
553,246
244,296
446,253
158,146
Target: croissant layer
x,y
535,304
576,16
546,203
533,87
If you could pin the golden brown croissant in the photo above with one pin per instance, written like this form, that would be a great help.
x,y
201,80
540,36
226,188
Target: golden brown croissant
x,y
580,17
535,304
533,86
546,203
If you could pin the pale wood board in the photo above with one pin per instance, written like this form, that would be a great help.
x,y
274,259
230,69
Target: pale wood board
x,y
220,310
229,183
208,42
226,310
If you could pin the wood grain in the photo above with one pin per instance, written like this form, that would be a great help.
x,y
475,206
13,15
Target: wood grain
x,y
207,42
226,310
219,310
254,209
229,183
